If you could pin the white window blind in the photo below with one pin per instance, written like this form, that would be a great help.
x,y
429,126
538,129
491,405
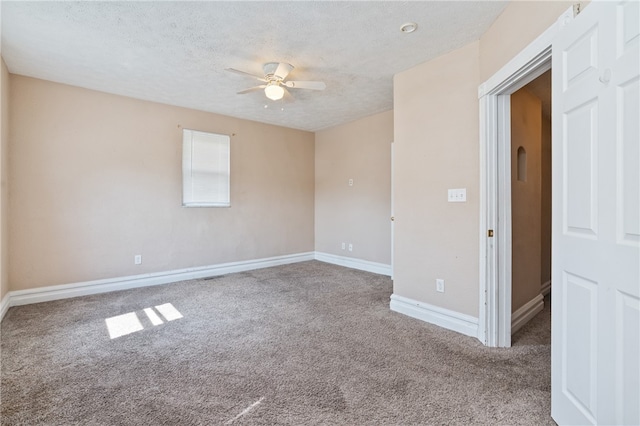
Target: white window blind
x,y
205,169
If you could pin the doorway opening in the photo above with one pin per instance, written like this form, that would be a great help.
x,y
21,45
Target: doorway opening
x,y
496,169
495,313
530,200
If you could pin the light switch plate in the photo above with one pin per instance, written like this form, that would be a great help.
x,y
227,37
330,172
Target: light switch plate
x,y
458,195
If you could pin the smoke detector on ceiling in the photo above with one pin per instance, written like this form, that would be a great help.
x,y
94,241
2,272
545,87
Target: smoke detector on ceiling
x,y
409,27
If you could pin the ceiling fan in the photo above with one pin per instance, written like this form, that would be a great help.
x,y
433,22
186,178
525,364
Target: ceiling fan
x,y
275,87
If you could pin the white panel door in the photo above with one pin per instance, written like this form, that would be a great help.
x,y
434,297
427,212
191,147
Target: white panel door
x,y
595,373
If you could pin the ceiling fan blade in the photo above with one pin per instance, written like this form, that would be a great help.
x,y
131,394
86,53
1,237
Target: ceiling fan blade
x,y
283,70
253,89
288,98
313,85
246,74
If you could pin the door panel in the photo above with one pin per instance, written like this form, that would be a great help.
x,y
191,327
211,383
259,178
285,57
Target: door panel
x,y
625,80
580,59
579,363
629,29
628,162
596,217
627,356
580,170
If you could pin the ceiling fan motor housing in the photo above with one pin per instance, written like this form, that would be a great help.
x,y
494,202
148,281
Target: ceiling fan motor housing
x,y
270,69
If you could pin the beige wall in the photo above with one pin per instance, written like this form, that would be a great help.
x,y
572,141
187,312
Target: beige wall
x,y
436,148
357,214
436,136
526,221
96,179
519,24
4,172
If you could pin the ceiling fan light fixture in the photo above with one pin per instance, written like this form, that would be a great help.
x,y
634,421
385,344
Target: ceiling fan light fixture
x,y
273,91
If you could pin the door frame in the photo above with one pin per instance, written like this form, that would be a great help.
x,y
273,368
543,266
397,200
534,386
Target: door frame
x,y
494,322
392,213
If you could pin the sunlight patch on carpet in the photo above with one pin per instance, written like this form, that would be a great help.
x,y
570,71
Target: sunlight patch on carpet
x,y
128,323
153,317
124,324
169,312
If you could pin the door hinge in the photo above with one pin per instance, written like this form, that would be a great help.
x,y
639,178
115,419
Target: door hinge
x,y
576,9
490,233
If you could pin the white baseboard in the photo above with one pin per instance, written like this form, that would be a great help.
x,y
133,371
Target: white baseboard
x,y
4,305
545,288
526,312
442,317
46,294
65,291
350,262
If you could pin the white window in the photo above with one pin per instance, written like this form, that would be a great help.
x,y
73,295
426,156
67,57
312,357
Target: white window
x,y
205,169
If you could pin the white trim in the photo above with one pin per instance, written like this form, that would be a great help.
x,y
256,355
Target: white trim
x,y
502,206
495,209
451,320
392,218
350,262
545,288
487,195
64,291
526,313
4,305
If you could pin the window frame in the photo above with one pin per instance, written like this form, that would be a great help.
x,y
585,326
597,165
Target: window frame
x,y
189,181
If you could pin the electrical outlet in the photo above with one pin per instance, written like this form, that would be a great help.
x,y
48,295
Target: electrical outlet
x,y
350,247
440,285
350,182
137,259
344,246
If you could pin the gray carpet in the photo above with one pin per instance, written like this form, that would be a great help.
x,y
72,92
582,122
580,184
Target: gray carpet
x,y
308,343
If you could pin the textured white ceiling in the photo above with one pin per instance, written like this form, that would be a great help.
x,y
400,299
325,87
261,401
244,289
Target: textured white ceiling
x,y
176,52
